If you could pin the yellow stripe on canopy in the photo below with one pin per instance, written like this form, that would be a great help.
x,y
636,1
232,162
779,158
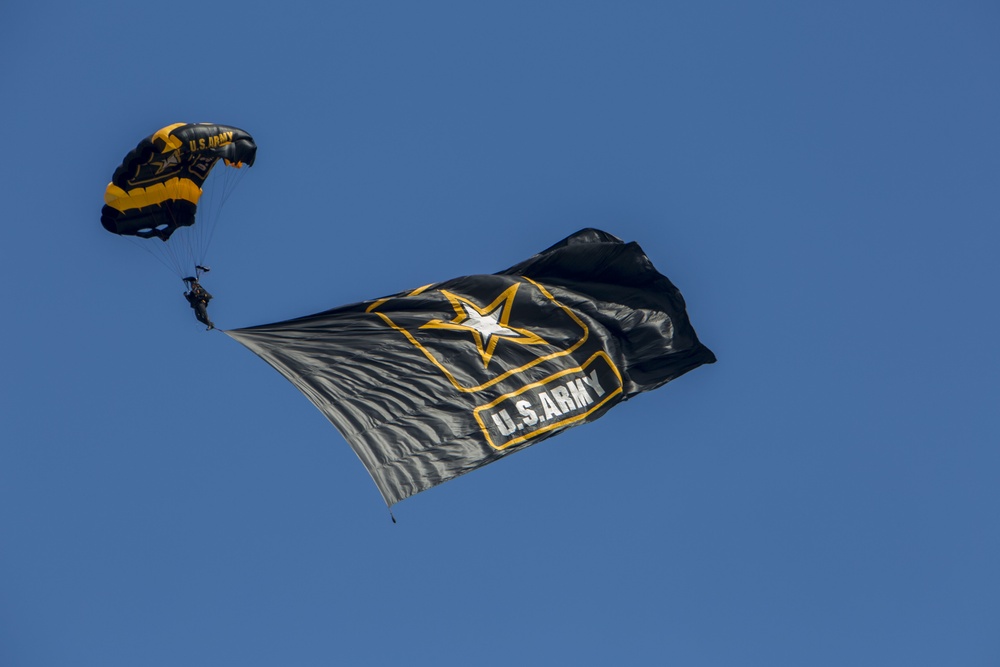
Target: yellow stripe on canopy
x,y
175,188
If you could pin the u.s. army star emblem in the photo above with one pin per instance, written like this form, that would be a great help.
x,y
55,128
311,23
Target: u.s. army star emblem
x,y
488,325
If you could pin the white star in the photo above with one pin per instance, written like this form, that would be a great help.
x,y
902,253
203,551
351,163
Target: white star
x,y
487,324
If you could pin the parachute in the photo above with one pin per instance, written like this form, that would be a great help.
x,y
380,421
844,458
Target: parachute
x,y
156,190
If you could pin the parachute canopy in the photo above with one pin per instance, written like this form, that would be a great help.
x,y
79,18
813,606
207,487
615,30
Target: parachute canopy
x,y
429,384
157,187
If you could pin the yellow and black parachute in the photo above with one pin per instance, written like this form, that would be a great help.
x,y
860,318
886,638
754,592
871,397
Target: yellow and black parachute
x,y
161,185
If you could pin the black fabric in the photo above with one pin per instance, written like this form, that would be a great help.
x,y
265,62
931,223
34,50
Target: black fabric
x,y
429,384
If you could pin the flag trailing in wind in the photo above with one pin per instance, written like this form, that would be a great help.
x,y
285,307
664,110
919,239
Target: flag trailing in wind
x,y
429,384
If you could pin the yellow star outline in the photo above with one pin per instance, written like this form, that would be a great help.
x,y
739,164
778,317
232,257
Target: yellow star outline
x,y
487,325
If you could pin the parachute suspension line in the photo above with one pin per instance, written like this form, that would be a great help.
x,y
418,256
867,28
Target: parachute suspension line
x,y
188,246
204,220
146,248
174,251
170,252
224,181
165,254
221,182
176,254
208,216
175,248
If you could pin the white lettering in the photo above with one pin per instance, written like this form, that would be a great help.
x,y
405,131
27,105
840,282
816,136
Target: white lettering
x,y
548,406
565,403
594,383
530,416
504,422
579,393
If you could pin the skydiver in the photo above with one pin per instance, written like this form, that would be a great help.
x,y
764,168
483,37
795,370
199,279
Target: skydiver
x,y
198,297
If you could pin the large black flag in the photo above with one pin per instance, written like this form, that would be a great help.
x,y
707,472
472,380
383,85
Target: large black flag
x,y
429,384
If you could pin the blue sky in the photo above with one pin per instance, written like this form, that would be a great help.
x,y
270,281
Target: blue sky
x,y
819,179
